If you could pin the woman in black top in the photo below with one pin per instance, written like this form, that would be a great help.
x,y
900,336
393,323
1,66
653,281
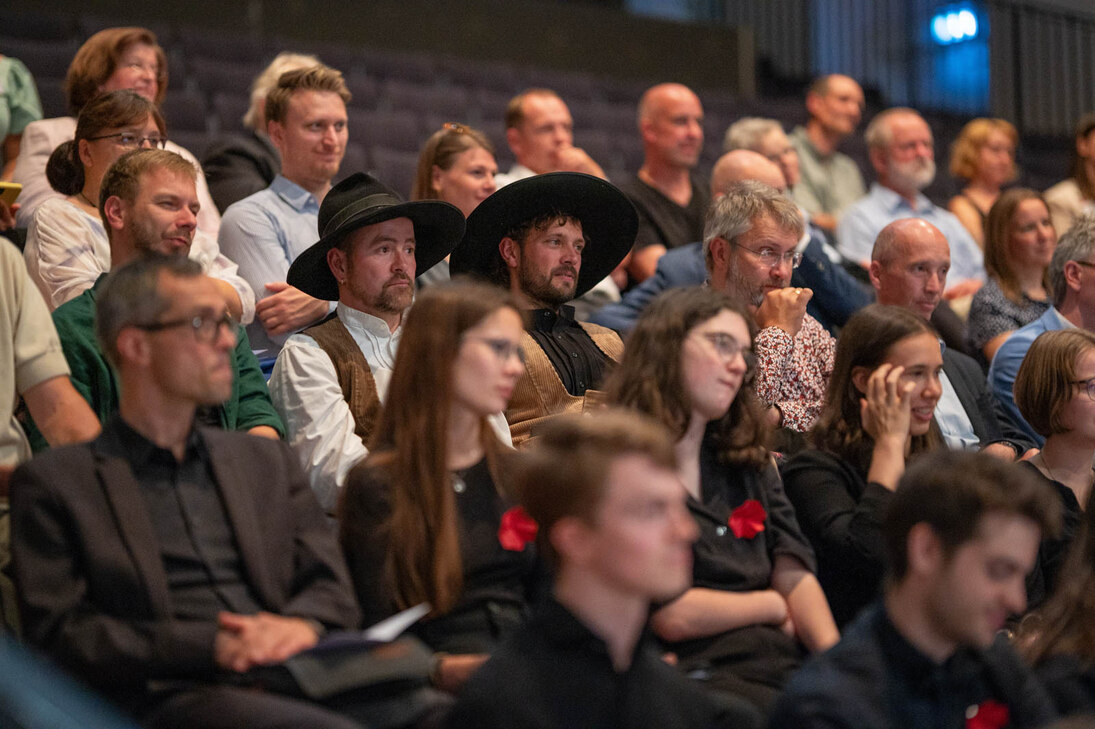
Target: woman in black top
x,y
1055,392
754,595
1059,640
426,517
878,412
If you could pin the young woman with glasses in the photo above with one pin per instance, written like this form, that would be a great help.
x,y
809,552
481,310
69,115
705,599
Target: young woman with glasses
x,y
755,603
67,246
427,517
1055,391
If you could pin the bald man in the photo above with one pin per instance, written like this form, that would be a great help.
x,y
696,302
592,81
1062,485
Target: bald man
x,y
831,181
836,294
909,265
670,197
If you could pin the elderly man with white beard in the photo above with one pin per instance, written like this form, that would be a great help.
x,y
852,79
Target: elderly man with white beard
x,y
902,153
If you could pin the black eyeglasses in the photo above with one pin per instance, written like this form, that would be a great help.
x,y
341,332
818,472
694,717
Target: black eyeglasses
x,y
206,328
503,348
1089,385
132,140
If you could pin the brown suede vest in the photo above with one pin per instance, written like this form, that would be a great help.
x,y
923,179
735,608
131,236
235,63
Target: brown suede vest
x,y
540,394
355,377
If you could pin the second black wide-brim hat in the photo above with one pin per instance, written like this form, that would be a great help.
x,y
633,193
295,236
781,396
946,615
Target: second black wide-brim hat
x,y
362,200
609,223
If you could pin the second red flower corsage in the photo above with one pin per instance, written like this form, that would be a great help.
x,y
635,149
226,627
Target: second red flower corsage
x,y
516,529
987,715
747,521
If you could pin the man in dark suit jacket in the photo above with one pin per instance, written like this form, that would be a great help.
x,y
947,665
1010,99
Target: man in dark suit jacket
x,y
162,561
837,294
909,265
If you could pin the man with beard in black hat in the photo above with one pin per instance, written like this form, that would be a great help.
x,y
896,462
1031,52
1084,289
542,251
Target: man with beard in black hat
x,y
549,239
329,380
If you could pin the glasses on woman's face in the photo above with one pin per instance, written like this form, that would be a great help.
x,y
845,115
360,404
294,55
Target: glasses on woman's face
x,y
728,348
503,349
1088,386
133,140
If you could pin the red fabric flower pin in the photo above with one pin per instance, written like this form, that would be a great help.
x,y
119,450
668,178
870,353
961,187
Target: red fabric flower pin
x,y
516,529
987,715
747,521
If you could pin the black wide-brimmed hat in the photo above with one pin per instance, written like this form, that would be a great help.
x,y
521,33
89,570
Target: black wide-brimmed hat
x,y
609,223
362,200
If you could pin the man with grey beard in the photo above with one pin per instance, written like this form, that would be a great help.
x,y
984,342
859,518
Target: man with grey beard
x,y
902,153
749,246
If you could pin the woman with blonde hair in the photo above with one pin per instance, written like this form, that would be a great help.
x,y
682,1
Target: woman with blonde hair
x,y
427,517
984,156
457,166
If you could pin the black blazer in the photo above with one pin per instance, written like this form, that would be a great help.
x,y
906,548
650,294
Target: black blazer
x,y
90,578
979,403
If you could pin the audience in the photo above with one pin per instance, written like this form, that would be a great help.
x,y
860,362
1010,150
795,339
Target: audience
x,y
457,166
1019,244
929,653
265,232
754,601
878,414
329,381
613,522
669,194
983,156
429,517
902,153
149,205
1071,198
1051,390
750,249
67,248
831,181
238,165
158,586
549,239
1072,285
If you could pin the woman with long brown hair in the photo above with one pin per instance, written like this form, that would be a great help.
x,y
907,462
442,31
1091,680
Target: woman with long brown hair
x,y
754,601
426,517
1070,198
878,413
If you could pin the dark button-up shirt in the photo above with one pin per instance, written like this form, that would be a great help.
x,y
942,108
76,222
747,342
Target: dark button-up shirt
x,y
578,361
875,679
555,673
200,558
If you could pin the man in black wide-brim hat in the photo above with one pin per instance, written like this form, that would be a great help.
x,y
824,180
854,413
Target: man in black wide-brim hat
x,y
329,380
549,239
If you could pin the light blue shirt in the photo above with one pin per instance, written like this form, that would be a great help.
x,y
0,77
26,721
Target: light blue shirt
x,y
1005,364
950,415
864,220
264,233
